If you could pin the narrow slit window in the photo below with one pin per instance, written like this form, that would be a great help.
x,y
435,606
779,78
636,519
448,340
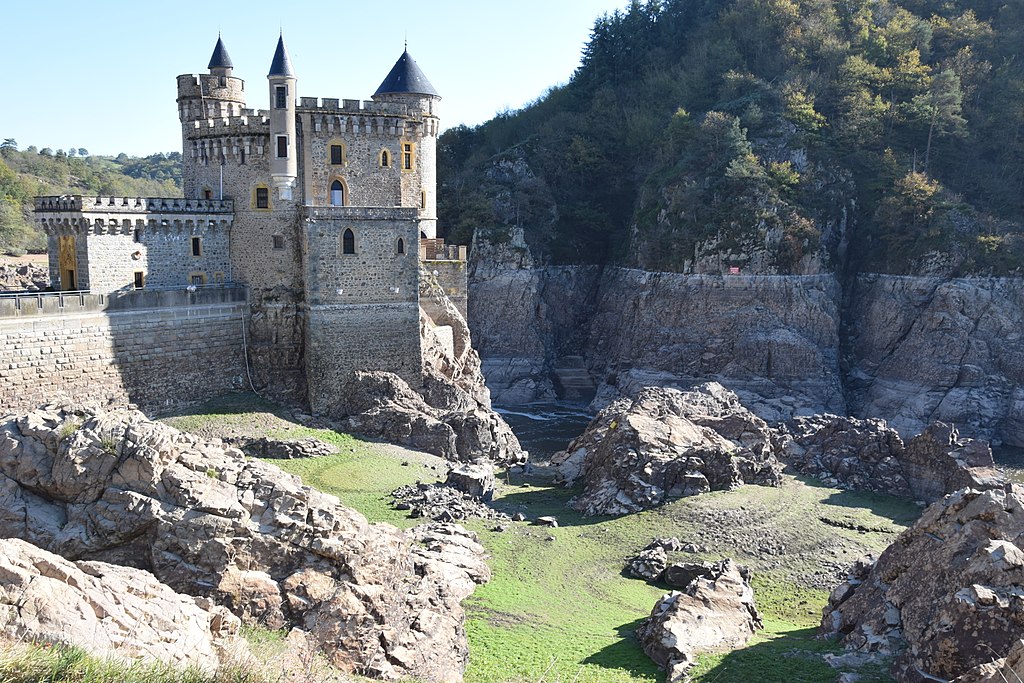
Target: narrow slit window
x,y
197,246
385,159
140,279
401,245
281,97
282,146
423,199
348,242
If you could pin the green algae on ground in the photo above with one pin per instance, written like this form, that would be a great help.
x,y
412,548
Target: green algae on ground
x,y
560,608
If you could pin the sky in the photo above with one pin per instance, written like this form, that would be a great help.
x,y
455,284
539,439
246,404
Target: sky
x,y
100,75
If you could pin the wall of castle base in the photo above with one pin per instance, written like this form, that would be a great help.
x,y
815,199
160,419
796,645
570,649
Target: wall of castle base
x,y
158,359
343,339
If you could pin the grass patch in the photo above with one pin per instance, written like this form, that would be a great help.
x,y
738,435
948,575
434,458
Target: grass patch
x,y
32,663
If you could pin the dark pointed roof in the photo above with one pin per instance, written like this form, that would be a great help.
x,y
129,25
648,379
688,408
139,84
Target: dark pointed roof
x,y
281,66
406,77
220,59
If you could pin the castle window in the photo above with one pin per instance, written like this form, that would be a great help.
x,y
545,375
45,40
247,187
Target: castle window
x,y
337,155
262,198
207,193
278,241
197,279
137,237
423,199
281,97
223,81
197,246
337,194
348,242
140,279
401,245
408,156
218,277
385,158
282,146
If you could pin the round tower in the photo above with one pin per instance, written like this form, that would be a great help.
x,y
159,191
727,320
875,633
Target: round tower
x,y
284,166
215,95
406,85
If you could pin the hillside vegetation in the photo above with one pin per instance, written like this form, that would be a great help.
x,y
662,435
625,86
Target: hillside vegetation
x,y
773,135
29,173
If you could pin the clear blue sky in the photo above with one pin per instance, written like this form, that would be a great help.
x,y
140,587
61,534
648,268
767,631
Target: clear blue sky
x,y
101,74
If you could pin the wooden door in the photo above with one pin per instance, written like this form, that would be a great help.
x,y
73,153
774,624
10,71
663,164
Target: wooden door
x,y
67,262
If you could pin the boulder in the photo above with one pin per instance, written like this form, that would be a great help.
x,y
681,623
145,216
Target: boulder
x,y
868,455
455,427
715,610
648,564
474,479
110,611
665,443
946,596
1002,670
112,486
24,277
277,449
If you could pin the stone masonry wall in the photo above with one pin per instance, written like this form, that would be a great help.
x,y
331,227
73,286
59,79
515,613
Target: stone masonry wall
x,y
155,358
164,257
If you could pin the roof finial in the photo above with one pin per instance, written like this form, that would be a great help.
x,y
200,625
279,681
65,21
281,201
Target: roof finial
x,y
406,41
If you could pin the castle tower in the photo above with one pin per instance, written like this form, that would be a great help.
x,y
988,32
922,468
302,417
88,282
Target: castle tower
x,y
407,85
284,168
216,95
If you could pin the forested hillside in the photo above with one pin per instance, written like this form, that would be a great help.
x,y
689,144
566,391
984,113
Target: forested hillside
x,y
770,135
26,174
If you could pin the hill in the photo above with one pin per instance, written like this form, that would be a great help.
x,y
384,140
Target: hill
x,y
777,136
26,174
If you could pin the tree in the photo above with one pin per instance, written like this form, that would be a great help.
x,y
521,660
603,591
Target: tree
x,y
942,104
7,146
46,152
83,152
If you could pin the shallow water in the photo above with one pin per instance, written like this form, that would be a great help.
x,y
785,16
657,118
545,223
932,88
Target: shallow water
x,y
1011,459
543,429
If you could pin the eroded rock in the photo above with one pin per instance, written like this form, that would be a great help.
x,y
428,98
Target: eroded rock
x,y
665,444
716,609
115,487
868,455
110,610
947,595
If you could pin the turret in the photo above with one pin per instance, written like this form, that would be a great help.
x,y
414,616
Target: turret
x,y
215,95
407,84
283,144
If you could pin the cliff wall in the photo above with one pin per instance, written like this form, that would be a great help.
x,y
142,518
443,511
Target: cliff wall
x,y
907,349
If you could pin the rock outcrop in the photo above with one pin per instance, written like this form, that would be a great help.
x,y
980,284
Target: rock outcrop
x,y
114,487
23,277
715,610
914,349
946,596
444,420
664,444
867,455
110,610
1002,670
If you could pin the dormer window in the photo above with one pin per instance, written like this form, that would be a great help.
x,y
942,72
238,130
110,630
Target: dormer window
x,y
281,97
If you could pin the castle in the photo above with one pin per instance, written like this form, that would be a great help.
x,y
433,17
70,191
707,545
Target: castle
x,y
323,209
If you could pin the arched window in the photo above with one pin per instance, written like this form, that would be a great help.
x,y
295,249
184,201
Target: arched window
x,y
348,242
401,245
385,158
337,193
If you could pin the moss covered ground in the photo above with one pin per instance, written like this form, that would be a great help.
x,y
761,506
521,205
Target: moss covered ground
x,y
560,609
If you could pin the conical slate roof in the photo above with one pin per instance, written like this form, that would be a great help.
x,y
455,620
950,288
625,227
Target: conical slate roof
x,y
281,66
406,77
220,59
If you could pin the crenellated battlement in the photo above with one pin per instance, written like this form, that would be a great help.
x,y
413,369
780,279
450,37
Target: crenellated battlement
x,y
334,105
78,203
206,96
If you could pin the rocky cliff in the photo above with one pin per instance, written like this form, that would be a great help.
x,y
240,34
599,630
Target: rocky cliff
x,y
910,350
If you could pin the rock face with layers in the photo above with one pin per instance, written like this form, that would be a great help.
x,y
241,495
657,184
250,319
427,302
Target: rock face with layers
x,y
715,610
867,455
114,487
664,444
947,595
110,610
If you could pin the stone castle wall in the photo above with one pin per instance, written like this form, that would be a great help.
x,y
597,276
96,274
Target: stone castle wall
x,y
122,349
